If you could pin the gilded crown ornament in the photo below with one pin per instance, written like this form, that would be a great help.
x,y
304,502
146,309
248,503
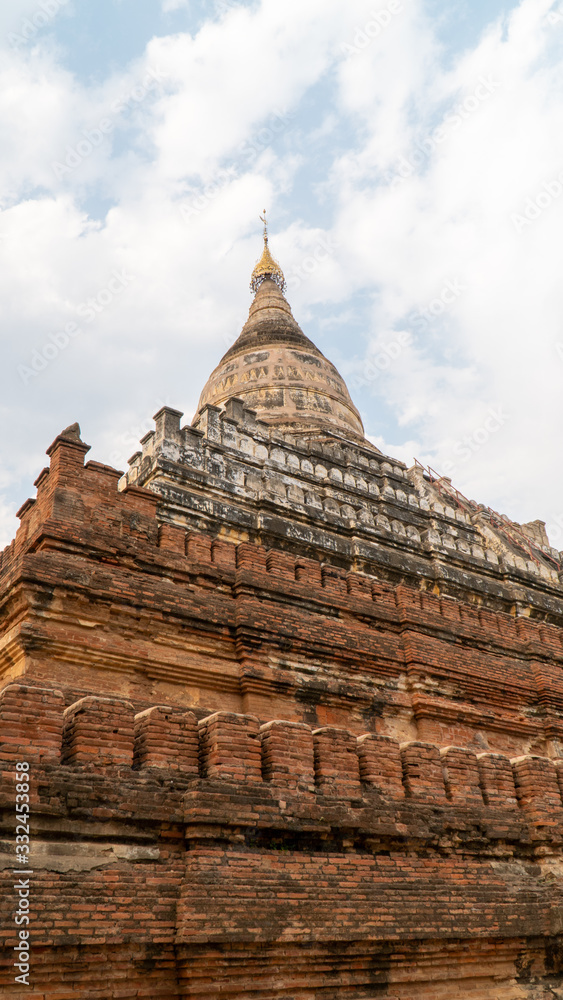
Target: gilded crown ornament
x,y
267,267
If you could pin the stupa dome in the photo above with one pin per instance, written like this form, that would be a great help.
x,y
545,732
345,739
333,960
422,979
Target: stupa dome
x,y
277,371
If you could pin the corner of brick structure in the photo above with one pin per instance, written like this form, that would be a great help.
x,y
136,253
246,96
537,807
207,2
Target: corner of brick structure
x,y
75,499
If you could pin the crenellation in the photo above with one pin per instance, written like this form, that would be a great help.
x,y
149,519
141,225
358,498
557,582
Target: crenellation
x,y
365,517
277,456
253,481
198,547
226,750
497,781
308,571
224,554
295,494
167,425
537,789
281,564
461,776
359,586
148,444
172,538
165,737
246,445
31,724
331,506
337,766
229,747
98,733
380,765
333,579
251,557
423,774
231,436
288,755
313,500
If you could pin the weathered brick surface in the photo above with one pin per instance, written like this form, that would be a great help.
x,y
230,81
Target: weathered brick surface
x,y
538,790
257,774
98,731
380,764
423,774
497,780
31,724
120,604
461,775
166,737
288,755
337,768
230,747
293,835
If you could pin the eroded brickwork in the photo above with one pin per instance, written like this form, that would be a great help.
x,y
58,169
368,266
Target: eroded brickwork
x,y
271,770
98,596
276,860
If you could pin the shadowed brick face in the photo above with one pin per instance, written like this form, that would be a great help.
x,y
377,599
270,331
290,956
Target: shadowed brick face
x,y
265,762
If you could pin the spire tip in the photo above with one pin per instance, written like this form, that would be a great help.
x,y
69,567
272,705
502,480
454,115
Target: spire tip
x,y
267,267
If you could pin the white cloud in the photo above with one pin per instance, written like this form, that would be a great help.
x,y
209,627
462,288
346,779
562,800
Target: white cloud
x,y
451,216
23,21
171,5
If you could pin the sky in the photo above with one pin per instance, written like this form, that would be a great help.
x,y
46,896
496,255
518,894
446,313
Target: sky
x,y
410,156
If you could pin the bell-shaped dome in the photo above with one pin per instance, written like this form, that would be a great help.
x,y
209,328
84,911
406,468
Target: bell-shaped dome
x,y
277,371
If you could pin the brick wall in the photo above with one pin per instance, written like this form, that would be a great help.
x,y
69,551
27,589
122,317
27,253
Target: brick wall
x,y
156,837
101,598
254,774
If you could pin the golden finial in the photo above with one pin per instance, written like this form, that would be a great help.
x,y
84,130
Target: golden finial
x,y
266,267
